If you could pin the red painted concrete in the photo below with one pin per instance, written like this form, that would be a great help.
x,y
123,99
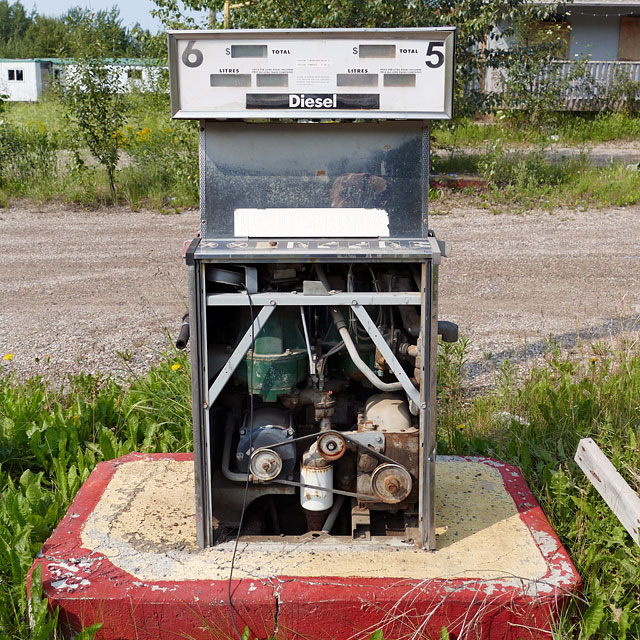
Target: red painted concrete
x,y
88,588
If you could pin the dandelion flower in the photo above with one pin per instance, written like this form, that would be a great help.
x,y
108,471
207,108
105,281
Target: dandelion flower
x,y
8,356
460,426
593,360
176,366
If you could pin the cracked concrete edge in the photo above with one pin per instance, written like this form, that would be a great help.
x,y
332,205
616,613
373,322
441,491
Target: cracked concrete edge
x,y
149,533
560,572
278,598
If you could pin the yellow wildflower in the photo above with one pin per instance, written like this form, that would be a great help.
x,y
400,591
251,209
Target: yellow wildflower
x,y
461,427
8,356
593,360
176,366
120,138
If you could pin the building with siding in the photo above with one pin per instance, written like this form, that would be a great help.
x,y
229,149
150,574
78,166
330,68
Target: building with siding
x,y
27,80
605,33
604,30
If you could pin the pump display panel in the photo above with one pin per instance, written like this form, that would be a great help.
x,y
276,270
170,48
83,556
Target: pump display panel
x,y
335,73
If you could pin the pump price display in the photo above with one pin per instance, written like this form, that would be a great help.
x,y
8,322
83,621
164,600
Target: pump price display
x,y
302,73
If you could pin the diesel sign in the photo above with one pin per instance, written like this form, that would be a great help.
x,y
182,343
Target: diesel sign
x,y
313,101
300,101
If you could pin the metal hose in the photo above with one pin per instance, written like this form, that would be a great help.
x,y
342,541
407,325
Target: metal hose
x,y
183,336
341,326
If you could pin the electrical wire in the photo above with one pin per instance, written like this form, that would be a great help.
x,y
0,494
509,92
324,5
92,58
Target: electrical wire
x,y
609,14
246,485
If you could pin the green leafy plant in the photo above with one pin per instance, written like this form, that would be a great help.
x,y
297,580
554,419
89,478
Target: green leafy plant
x,y
165,168
622,94
93,94
480,25
50,441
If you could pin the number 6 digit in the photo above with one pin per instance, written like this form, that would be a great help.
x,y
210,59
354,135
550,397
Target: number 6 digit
x,y
191,57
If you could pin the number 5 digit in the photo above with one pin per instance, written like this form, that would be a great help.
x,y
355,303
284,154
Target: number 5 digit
x,y
438,54
193,57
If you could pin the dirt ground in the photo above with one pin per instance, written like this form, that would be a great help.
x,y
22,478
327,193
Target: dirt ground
x,y
98,291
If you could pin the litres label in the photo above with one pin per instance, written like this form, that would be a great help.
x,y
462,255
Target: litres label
x,y
313,101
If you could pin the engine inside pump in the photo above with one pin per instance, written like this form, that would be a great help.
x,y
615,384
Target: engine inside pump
x,y
313,424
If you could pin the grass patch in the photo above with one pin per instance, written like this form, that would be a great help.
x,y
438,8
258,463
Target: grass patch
x,y
159,158
40,158
563,128
466,163
529,180
50,440
536,425
47,114
615,185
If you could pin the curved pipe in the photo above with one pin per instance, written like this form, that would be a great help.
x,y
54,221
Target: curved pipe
x,y
358,361
341,326
234,476
448,330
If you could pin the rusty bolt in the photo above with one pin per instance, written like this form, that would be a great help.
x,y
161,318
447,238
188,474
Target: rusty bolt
x,y
391,486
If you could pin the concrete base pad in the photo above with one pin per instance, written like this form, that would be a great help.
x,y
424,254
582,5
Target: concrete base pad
x,y
125,555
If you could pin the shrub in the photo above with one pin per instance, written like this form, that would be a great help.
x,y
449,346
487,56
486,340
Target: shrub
x,y
165,163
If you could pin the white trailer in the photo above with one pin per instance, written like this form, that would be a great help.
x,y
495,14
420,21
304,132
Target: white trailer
x,y
24,80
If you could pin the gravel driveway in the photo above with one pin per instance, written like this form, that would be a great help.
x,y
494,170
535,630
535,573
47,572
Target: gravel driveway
x,y
80,287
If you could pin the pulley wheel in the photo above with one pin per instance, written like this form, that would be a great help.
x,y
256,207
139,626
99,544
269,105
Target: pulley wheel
x,y
391,483
265,465
331,446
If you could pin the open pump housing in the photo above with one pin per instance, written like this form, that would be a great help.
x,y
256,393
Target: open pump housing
x,y
313,282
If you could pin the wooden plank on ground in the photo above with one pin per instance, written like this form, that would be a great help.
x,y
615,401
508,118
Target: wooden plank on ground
x,y
621,498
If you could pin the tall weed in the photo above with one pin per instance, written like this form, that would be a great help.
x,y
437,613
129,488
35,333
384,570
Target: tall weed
x,y
51,440
28,159
561,127
530,179
164,168
536,425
